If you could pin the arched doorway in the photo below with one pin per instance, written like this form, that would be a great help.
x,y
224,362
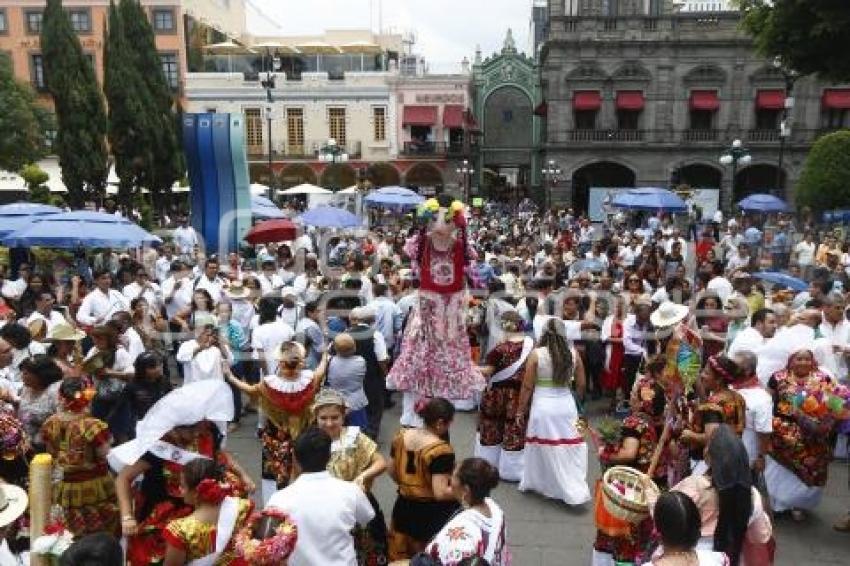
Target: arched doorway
x,y
297,174
424,176
383,175
259,173
599,174
761,178
508,142
698,176
338,176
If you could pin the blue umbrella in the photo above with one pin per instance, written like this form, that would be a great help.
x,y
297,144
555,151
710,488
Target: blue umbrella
x,y
264,209
779,278
763,203
259,200
20,214
80,229
329,217
649,198
394,197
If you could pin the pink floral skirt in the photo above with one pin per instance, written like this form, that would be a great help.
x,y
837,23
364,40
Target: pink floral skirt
x,y
435,358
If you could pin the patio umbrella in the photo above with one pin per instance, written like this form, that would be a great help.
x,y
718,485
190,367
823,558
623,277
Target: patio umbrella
x,y
305,189
763,203
352,190
259,200
394,197
360,47
329,217
81,229
258,189
261,207
20,214
277,230
779,278
649,198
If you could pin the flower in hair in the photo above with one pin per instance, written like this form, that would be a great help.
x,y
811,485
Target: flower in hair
x,y
211,491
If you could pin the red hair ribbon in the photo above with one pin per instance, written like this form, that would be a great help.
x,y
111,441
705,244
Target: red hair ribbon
x,y
211,491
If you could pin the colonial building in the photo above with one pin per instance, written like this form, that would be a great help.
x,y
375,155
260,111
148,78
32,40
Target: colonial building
x,y
639,93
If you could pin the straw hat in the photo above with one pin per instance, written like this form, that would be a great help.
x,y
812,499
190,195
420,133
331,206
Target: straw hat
x,y
13,503
64,332
668,314
237,290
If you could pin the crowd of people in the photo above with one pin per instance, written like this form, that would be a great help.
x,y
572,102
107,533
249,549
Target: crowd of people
x,y
570,340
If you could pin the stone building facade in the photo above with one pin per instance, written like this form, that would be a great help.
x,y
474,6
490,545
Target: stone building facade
x,y
640,94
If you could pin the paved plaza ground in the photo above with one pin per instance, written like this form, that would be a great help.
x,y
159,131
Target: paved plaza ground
x,y
547,533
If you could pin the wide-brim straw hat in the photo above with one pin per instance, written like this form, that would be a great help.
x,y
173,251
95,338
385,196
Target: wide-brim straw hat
x,y
63,332
238,291
668,314
13,503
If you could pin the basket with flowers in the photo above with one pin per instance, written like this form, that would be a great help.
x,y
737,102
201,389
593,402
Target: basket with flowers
x,y
267,540
607,435
819,409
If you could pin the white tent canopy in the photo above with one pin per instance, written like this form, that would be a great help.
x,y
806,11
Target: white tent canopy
x,y
305,189
10,181
259,189
352,190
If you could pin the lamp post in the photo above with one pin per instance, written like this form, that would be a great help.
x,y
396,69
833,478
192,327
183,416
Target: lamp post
x,y
268,84
466,171
736,155
550,174
790,76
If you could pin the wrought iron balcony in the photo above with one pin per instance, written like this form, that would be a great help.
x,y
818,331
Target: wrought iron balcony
x,y
763,135
606,135
424,148
700,135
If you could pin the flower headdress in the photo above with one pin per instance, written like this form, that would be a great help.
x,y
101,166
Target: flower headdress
x,y
79,401
211,491
428,211
13,439
268,551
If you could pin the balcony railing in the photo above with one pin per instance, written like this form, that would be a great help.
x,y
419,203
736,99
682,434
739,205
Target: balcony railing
x,y
309,150
762,135
700,135
424,148
606,135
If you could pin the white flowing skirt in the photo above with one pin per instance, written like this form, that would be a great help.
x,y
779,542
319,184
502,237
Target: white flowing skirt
x,y
786,490
555,452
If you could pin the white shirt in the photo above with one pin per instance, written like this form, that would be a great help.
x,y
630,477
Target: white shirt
x,y
747,340
50,320
387,315
269,284
162,267
12,289
805,253
152,294
668,247
721,287
98,306
325,509
837,335
303,242
134,343
759,418
181,297
205,365
215,287
185,238
268,337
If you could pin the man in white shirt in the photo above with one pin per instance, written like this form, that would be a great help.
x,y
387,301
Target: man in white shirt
x,y
835,329
740,259
730,241
129,336
719,284
102,302
44,302
177,288
203,357
162,265
676,236
269,334
211,281
758,425
144,287
325,509
11,290
185,237
270,281
387,314
805,254
751,339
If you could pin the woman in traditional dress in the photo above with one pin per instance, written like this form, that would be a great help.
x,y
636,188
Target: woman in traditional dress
x,y
79,444
111,366
501,435
354,458
479,530
188,423
800,452
285,399
612,379
205,538
435,359
555,452
422,465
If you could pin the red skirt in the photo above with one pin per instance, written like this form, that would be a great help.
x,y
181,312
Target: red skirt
x,y
612,377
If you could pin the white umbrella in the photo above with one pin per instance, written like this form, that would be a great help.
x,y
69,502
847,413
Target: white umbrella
x,y
305,189
178,188
352,190
259,189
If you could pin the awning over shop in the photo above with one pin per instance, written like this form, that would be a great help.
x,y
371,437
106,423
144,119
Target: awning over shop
x,y
704,100
770,99
419,116
587,100
838,98
453,116
630,100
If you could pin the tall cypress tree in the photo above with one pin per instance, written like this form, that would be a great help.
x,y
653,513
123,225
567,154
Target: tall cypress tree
x,y
81,116
130,108
167,165
21,136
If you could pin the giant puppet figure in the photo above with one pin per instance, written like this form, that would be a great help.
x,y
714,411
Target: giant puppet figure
x,y
435,358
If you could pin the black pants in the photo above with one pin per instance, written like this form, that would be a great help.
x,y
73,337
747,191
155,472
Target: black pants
x,y
373,386
631,365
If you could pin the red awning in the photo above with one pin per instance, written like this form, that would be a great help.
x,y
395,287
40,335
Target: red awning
x,y
838,98
471,122
704,100
453,116
770,99
587,100
630,100
419,116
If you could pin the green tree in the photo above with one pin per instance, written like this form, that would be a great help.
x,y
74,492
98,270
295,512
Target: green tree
x,y
35,178
167,165
825,182
81,116
810,36
21,120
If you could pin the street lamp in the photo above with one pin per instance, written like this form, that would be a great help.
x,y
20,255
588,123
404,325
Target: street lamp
x,y
268,84
736,155
467,172
550,174
790,76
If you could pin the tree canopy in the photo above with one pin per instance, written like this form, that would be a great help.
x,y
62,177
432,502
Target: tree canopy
x,y
21,122
810,36
825,182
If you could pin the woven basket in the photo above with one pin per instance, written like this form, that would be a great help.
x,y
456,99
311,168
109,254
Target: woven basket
x,y
635,509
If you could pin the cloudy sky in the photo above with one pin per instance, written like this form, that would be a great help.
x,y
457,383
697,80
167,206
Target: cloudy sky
x,y
446,30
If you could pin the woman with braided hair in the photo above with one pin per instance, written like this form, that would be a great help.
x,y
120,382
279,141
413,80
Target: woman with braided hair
x,y
555,451
435,359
